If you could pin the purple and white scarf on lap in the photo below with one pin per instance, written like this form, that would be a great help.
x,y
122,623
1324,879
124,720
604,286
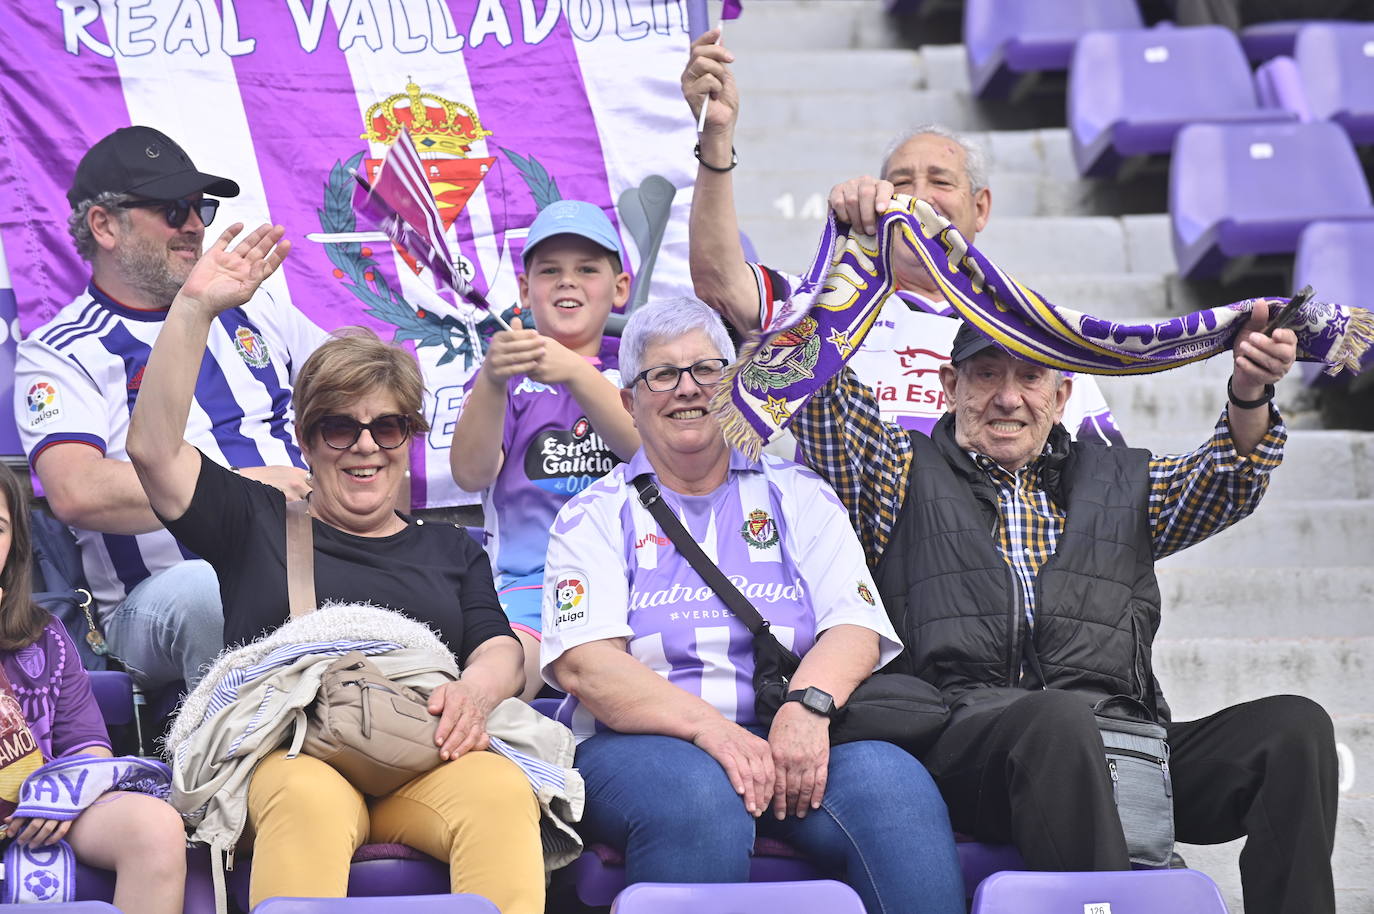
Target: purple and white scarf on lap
x,y
62,789
814,334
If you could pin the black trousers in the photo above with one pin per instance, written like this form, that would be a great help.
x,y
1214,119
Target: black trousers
x,y
1031,772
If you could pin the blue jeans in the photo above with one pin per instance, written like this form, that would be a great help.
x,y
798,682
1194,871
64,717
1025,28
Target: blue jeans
x,y
170,626
882,826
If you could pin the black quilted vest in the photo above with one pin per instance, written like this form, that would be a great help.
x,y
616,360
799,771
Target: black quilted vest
x,y
955,602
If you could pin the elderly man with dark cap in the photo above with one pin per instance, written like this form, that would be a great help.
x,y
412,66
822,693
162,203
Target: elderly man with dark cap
x,y
139,213
1018,565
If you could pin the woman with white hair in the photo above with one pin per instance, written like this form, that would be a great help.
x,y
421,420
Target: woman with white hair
x,y
680,774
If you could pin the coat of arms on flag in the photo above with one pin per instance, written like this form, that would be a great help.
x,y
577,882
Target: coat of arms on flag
x,y
443,132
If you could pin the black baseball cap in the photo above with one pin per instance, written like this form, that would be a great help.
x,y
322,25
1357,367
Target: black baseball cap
x,y
969,341
146,162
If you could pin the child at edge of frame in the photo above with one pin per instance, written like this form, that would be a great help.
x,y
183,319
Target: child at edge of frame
x,y
48,708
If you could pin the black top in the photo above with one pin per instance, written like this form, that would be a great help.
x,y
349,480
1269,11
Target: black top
x,y
432,572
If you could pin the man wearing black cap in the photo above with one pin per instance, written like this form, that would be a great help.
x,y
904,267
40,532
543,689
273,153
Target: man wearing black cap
x,y
139,212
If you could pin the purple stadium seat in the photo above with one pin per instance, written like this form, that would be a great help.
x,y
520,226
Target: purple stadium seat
x,y
1244,190
1333,258
1266,40
1131,92
378,871
1007,39
69,907
96,886
1336,61
979,861
1279,85
1146,892
598,876
411,904
114,693
822,896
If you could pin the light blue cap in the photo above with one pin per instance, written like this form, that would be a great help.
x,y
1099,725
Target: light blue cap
x,y
573,217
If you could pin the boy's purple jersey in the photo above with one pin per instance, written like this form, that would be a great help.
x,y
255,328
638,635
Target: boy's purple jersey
x,y
551,454
774,528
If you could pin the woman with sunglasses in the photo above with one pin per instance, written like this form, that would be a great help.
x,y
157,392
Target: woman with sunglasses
x,y
358,404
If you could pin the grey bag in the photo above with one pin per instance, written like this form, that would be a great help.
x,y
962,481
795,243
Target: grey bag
x,y
1138,761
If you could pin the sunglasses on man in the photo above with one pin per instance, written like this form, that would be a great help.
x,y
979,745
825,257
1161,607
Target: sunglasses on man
x,y
342,432
176,212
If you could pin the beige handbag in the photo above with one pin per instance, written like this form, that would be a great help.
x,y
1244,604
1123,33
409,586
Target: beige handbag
x,y
377,733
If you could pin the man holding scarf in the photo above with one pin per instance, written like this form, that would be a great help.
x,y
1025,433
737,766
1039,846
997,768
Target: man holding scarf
x,y
1054,608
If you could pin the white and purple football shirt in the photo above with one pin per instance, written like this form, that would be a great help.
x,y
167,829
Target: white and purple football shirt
x,y
551,453
78,376
775,529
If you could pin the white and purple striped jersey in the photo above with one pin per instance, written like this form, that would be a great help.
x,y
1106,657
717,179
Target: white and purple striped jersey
x,y
77,377
775,529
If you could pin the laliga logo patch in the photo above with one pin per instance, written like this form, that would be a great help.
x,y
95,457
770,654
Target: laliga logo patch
x,y
865,594
570,600
759,530
44,405
252,348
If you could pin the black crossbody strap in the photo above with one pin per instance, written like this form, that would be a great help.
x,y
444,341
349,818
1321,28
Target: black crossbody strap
x,y
652,500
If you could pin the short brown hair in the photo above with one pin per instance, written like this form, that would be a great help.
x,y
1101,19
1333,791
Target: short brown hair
x,y
355,362
21,619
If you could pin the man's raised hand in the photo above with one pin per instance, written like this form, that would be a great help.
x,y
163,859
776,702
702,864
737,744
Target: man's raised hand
x,y
708,75
227,277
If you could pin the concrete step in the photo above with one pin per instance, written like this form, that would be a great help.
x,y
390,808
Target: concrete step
x,y
1317,464
1115,296
1350,862
1286,534
1275,602
1019,245
780,69
821,25
1184,404
1015,194
853,152
864,109
1201,675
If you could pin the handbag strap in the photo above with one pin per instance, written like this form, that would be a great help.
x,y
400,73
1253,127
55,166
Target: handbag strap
x,y
652,500
300,558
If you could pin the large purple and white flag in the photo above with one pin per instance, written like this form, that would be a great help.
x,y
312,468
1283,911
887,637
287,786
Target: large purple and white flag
x,y
511,103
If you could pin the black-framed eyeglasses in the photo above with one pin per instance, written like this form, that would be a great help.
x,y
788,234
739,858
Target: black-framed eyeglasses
x,y
176,212
663,378
342,432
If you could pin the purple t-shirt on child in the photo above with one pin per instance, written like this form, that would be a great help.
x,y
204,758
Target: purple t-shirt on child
x,y
55,694
552,453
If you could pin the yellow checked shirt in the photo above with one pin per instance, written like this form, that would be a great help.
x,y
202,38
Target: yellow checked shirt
x,y
841,433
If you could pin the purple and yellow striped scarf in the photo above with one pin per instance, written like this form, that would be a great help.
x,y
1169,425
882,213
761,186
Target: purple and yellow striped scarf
x,y
814,334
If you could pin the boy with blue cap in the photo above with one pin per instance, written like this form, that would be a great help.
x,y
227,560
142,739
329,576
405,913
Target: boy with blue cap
x,y
542,419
